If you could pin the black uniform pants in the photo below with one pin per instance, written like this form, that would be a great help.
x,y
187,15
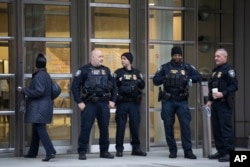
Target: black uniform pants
x,y
180,108
94,110
221,119
39,132
124,111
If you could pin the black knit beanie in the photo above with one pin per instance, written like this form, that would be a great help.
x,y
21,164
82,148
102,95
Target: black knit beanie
x,y
176,50
40,61
129,56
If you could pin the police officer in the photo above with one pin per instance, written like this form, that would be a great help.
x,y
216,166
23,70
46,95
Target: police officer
x,y
176,77
222,86
130,83
95,92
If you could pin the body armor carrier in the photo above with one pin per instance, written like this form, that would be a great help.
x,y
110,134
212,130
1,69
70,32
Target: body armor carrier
x,y
177,82
128,85
128,90
97,82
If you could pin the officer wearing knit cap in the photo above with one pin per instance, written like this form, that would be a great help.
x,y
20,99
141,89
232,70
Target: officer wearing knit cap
x,y
40,61
130,84
176,50
175,76
129,56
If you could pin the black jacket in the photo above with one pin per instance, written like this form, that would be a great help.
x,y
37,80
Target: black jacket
x,y
39,106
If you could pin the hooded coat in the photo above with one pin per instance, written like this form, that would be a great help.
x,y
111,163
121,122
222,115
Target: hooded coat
x,y
39,106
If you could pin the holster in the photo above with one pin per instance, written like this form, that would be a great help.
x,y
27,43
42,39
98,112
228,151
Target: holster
x,y
160,94
166,95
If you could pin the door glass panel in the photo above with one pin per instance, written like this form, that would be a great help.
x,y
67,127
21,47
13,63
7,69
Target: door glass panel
x,y
4,20
6,106
110,23
57,55
46,21
172,3
63,100
112,58
171,27
112,53
111,1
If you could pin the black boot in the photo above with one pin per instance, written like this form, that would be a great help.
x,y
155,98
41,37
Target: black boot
x,y
47,158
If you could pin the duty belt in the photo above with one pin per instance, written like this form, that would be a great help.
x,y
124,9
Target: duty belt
x,y
129,99
180,97
96,98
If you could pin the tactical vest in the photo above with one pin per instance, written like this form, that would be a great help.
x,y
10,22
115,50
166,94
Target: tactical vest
x,y
177,81
97,82
128,85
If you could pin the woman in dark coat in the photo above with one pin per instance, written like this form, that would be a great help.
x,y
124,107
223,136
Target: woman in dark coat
x,y
39,110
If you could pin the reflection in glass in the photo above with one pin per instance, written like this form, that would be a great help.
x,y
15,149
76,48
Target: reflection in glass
x,y
112,131
57,55
4,131
46,21
110,23
4,94
170,25
4,20
112,53
63,100
59,130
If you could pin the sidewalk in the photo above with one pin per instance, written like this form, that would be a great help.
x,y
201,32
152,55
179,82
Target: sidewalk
x,y
154,158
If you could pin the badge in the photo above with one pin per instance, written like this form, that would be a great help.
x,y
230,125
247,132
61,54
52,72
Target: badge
x,y
78,72
231,73
219,74
174,71
134,77
183,72
103,72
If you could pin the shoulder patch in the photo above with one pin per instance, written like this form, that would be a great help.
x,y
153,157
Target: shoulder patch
x,y
231,73
141,76
78,72
193,67
159,69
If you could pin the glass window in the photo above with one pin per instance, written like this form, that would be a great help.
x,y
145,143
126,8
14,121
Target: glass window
x,y
59,130
46,21
57,54
168,25
63,100
111,1
112,53
110,23
172,3
4,19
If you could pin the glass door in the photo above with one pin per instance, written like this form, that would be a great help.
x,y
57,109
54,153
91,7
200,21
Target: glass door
x,y
7,82
110,33
47,31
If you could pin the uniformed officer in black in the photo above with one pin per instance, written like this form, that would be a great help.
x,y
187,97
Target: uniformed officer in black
x,y
222,86
176,76
130,84
95,93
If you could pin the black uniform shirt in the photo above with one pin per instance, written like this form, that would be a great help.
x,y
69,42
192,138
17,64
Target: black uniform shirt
x,y
224,78
80,77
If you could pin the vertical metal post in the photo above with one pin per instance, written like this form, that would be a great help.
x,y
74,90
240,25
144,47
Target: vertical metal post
x,y
206,121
